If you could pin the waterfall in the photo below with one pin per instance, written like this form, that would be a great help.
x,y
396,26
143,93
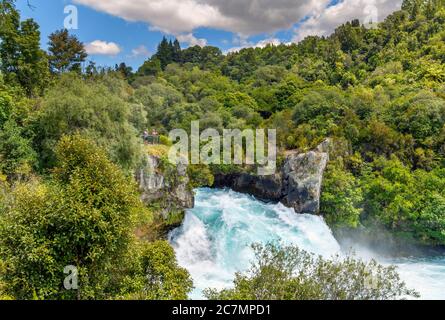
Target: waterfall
x,y
214,241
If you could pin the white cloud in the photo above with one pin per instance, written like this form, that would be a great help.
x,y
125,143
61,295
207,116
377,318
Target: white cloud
x,y
140,51
245,17
191,40
170,16
325,22
264,43
99,47
243,44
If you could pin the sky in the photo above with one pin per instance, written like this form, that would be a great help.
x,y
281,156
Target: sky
x,y
115,31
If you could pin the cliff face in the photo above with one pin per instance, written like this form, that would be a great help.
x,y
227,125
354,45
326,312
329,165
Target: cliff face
x,y
263,187
302,178
297,184
167,187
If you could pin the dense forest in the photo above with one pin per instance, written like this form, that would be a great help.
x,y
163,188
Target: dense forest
x,y
70,142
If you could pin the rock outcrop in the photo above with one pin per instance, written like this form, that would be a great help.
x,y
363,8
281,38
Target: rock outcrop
x,y
302,178
167,186
297,184
263,187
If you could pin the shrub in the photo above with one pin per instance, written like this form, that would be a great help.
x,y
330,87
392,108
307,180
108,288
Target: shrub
x,y
83,217
288,273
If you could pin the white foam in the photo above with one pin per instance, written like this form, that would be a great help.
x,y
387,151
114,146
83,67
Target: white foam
x,y
215,241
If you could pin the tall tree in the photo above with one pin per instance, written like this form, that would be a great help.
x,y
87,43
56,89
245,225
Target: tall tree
x,y
176,51
9,29
165,53
66,52
33,62
22,60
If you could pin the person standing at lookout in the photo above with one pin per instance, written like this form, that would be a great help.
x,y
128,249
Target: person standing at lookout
x,y
145,137
155,136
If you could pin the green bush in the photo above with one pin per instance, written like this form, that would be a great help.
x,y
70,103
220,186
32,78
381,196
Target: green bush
x,y
200,176
341,198
288,273
165,141
97,109
84,216
405,201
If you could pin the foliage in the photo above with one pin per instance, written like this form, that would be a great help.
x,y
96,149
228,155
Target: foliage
x,y
22,60
66,52
161,277
341,198
97,109
83,216
288,273
18,158
6,105
158,151
405,201
200,176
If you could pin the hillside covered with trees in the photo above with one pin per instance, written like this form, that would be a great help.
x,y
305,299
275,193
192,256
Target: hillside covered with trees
x,y
70,142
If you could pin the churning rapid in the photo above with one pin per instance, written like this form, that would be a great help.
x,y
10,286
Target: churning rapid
x,y
214,241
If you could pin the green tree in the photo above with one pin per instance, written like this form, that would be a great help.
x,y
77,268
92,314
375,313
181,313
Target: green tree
x,y
9,27
92,205
159,275
176,55
422,115
165,53
341,198
6,104
124,70
97,108
66,52
84,215
150,67
288,273
22,60
18,158
200,176
430,226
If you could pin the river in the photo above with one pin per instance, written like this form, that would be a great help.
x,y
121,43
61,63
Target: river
x,y
214,241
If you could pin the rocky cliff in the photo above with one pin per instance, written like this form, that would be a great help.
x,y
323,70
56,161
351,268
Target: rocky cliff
x,y
297,184
165,186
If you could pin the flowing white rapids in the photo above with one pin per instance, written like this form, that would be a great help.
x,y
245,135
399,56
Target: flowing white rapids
x,y
215,240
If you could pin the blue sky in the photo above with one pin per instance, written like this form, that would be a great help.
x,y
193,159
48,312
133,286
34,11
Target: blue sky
x,y
124,30
94,25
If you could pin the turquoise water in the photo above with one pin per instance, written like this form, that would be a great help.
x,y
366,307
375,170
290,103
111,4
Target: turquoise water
x,y
214,241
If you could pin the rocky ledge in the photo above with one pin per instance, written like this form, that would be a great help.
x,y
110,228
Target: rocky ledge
x,y
297,184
